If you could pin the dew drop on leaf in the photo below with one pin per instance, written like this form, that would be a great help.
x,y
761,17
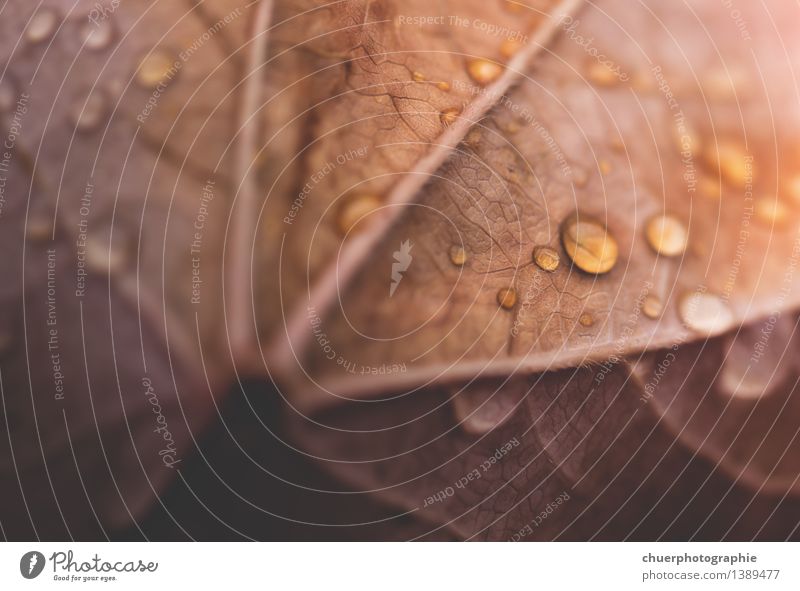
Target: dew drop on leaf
x,y
667,235
588,244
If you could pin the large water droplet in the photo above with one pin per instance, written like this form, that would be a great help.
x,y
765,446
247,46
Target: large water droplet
x,y
652,306
667,235
42,25
458,256
732,162
89,116
587,242
706,313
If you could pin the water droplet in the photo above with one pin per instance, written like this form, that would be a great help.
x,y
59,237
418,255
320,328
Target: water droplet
x,y
510,47
588,244
101,259
97,36
771,211
443,86
40,228
667,235
507,298
156,68
652,306
710,187
8,95
418,76
546,258
605,167
354,209
586,320
579,177
449,116
705,313
733,163
89,116
42,26
601,75
458,256
483,71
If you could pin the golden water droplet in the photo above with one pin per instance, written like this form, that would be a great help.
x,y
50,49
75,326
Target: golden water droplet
x,y
705,313
507,298
589,244
443,86
586,319
89,116
793,188
101,259
652,306
667,235
155,68
39,228
449,116
546,258
97,36
732,162
710,187
510,47
458,256
483,71
771,211
601,75
8,95
418,77
42,25
605,167
353,209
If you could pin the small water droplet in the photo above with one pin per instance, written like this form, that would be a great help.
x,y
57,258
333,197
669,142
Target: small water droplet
x,y
418,76
588,244
42,25
546,258
97,36
89,116
667,235
705,313
443,86
733,163
449,116
8,94
156,68
605,167
354,209
483,71
507,298
510,47
586,319
652,306
101,259
601,75
40,228
458,256
771,211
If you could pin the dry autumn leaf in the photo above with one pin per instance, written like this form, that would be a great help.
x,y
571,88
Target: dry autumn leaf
x,y
462,269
